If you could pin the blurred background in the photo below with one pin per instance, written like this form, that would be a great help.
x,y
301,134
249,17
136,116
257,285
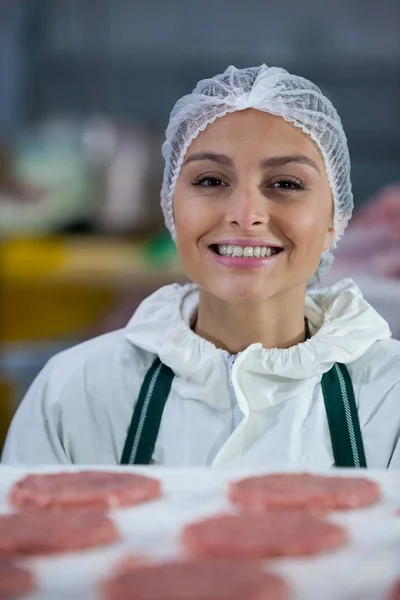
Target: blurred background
x,y
86,87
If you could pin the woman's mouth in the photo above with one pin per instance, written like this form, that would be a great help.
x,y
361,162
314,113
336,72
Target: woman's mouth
x,y
244,252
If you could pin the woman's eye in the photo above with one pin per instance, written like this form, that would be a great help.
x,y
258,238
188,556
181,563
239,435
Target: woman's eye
x,y
209,182
288,184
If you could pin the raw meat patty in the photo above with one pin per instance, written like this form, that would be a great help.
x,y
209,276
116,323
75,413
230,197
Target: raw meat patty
x,y
274,533
394,593
85,489
130,562
314,492
14,581
46,533
202,580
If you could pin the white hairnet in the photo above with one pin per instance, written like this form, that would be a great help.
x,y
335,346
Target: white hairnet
x,y
272,90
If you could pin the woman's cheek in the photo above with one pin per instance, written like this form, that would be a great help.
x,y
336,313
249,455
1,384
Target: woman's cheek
x,y
309,228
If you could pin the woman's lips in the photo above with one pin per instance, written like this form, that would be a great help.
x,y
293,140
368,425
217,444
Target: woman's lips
x,y
248,262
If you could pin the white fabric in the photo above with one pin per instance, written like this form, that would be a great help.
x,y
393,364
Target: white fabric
x,y
79,408
272,90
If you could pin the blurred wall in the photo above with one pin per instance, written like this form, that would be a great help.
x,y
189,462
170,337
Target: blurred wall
x,y
135,58
14,52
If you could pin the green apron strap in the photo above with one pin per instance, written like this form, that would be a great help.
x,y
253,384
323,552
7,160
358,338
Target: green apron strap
x,y
146,419
341,410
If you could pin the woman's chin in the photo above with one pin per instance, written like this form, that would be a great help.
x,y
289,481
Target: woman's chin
x,y
240,294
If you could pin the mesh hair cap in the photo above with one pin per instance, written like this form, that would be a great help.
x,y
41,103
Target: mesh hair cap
x,y
275,91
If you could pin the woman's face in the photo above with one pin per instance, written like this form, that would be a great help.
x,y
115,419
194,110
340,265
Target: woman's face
x,y
253,208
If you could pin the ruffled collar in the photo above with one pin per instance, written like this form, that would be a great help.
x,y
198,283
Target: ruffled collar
x,y
343,326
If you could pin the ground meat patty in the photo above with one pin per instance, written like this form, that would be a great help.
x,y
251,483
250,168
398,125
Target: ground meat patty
x,y
14,581
130,562
93,489
45,533
303,491
202,580
256,536
394,593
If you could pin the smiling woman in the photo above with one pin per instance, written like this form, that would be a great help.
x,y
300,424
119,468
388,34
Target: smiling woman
x,y
246,366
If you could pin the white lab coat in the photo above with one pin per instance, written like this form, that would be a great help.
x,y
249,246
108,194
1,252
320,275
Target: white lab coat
x,y
267,410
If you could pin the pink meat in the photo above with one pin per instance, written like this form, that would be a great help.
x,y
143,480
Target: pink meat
x,y
257,536
85,489
387,264
31,533
382,208
14,581
130,562
200,580
314,492
394,593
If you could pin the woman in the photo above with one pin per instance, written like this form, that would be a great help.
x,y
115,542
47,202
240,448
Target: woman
x,y
244,367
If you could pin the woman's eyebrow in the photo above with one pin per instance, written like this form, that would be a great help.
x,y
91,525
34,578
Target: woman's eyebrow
x,y
218,158
273,161
281,161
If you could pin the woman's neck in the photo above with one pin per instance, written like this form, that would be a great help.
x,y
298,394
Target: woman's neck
x,y
275,323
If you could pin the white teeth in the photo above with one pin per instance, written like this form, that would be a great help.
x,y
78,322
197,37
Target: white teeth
x,y
244,252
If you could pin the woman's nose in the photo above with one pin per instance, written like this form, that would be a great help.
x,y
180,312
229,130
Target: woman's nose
x,y
247,209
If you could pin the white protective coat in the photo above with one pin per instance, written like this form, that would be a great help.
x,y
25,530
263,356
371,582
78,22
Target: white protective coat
x,y
268,411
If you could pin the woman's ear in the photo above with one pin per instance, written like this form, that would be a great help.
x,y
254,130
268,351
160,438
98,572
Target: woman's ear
x,y
330,234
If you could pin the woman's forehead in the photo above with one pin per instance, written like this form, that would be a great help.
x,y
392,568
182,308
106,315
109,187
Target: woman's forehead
x,y
257,132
